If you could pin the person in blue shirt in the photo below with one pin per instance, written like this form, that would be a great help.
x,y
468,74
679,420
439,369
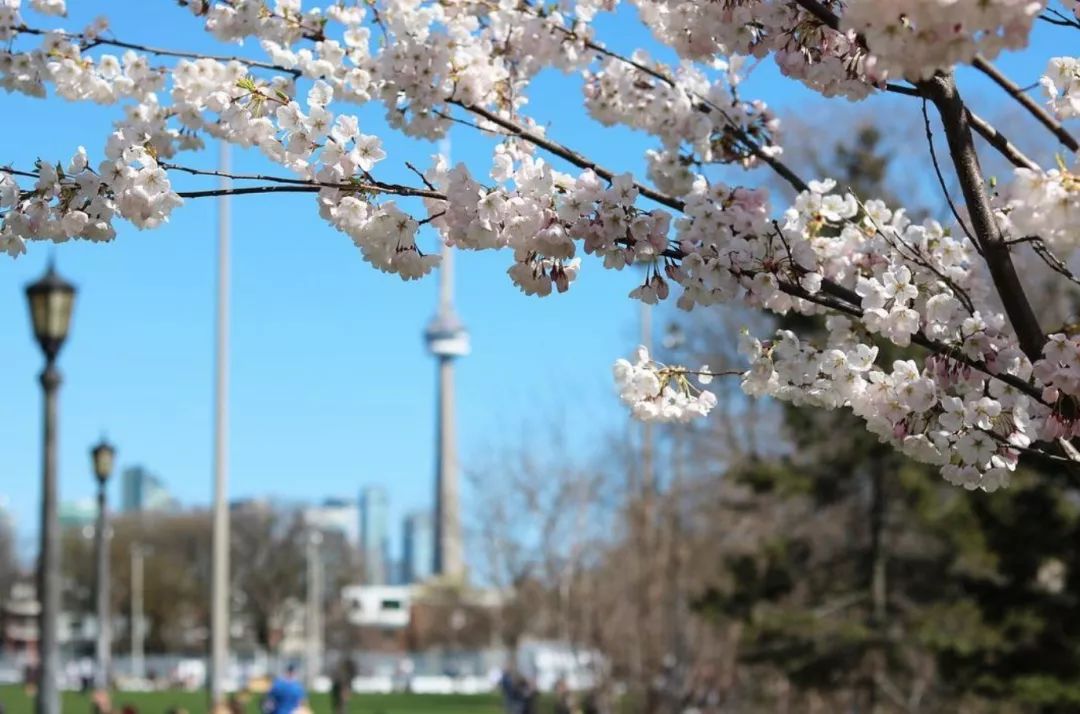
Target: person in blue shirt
x,y
286,694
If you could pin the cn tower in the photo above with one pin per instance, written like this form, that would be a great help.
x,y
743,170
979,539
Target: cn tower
x,y
447,340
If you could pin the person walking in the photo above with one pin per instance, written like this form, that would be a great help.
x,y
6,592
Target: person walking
x,y
530,697
341,689
286,695
563,704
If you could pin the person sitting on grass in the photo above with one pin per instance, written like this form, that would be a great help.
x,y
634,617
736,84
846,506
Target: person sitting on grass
x,y
286,695
100,703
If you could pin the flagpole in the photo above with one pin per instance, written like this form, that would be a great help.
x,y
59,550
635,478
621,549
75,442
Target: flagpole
x,y
219,587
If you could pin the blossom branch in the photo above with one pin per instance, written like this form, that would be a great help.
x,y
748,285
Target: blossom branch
x,y
985,129
565,152
1000,142
704,105
918,338
369,186
1054,17
1013,90
87,43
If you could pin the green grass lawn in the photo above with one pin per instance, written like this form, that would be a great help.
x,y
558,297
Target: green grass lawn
x,y
14,701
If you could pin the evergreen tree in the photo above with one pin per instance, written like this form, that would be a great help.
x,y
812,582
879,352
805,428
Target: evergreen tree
x,y
883,589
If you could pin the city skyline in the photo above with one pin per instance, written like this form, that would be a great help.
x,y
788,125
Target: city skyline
x,y
404,560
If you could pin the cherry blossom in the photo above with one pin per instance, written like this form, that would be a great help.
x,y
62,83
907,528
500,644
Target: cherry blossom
x,y
1061,83
981,383
657,393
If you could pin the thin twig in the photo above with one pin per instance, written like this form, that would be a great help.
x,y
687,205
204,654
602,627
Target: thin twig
x,y
161,52
431,218
373,186
248,190
1059,19
470,124
16,172
1052,261
941,178
408,165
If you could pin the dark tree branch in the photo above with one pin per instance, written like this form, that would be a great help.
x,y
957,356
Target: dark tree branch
x,y
371,186
1014,91
1000,142
815,8
1054,17
565,153
942,91
248,190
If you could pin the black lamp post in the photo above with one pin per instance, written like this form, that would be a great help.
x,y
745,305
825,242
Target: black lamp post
x,y
51,300
102,457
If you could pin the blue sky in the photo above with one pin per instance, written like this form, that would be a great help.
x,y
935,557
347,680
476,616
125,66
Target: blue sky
x,y
331,387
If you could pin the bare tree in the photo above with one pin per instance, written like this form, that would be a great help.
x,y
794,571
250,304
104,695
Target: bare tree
x,y
539,520
268,559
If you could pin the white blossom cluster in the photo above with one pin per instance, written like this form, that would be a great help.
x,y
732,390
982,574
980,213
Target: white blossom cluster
x,y
1061,83
971,414
915,38
284,21
828,61
658,393
1044,204
74,75
697,121
78,202
50,7
1059,371
967,424
441,53
542,217
878,38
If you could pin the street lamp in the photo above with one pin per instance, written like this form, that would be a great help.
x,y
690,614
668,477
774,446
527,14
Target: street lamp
x,y
102,457
313,623
674,337
51,300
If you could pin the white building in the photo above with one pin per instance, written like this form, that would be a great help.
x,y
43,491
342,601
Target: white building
x,y
383,606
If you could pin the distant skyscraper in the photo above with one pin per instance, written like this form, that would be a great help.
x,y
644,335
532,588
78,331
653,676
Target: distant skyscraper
x,y
373,535
447,340
336,514
78,514
418,548
143,491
